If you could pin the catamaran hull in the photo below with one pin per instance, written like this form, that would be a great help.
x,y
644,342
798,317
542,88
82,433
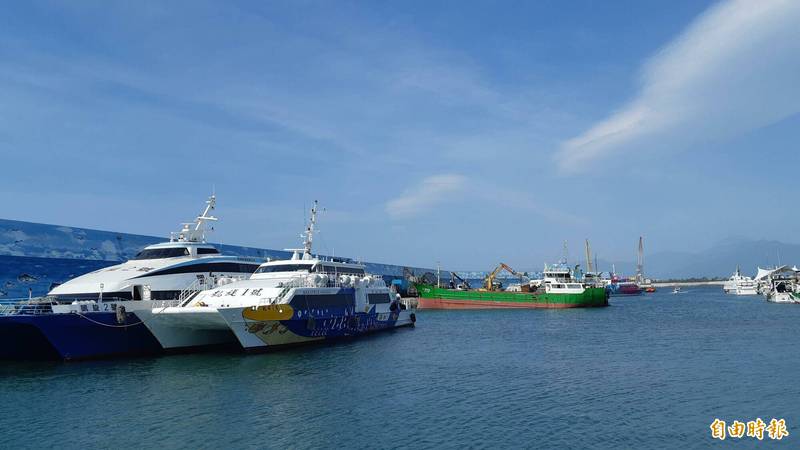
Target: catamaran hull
x,y
71,336
22,339
186,328
265,328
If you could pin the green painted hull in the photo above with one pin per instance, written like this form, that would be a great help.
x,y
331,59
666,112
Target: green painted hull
x,y
431,297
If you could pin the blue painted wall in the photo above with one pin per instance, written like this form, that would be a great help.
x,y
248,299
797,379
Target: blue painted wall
x,y
35,256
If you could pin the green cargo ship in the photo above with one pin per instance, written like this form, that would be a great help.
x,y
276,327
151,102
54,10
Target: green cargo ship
x,y
432,297
558,289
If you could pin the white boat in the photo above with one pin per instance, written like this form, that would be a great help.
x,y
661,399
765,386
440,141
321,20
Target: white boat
x,y
783,285
161,271
305,298
676,290
783,291
95,315
739,284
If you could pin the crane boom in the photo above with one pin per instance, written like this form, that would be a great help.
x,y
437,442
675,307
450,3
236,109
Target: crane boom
x,y
489,281
463,281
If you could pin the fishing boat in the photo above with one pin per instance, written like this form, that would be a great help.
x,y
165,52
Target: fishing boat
x,y
304,299
94,315
784,290
559,288
783,285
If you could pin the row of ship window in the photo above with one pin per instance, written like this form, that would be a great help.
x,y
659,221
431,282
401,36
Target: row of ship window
x,y
173,252
318,268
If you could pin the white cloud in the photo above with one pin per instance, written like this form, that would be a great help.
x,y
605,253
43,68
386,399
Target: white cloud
x,y
734,69
431,192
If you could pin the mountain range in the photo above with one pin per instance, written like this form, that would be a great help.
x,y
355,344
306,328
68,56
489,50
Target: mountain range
x,y
718,261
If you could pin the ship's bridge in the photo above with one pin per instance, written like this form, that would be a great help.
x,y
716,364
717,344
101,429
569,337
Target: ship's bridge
x,y
175,250
294,267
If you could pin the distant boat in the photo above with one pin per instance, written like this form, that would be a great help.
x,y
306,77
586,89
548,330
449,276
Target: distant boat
x,y
617,287
740,285
677,290
783,285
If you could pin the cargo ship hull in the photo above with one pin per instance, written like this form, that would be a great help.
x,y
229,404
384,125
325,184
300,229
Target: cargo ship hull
x,y
431,297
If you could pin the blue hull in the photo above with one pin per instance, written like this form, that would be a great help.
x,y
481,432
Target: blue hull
x,y
73,336
20,339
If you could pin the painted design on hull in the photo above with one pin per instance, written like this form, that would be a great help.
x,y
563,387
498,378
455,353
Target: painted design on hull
x,y
280,325
436,298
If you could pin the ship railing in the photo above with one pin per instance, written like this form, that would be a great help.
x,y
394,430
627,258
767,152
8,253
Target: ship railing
x,y
44,305
193,288
25,309
333,280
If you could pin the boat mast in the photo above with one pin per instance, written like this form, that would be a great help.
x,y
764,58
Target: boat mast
x,y
198,232
309,234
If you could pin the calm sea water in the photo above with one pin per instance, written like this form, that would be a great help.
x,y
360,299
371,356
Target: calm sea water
x,y
647,372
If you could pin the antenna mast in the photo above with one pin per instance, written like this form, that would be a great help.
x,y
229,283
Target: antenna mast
x,y
309,234
308,237
190,233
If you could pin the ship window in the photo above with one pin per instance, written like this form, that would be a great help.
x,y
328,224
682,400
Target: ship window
x,y
343,270
158,253
207,251
378,298
283,268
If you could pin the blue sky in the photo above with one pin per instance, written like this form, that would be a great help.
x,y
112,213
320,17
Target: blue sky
x,y
462,132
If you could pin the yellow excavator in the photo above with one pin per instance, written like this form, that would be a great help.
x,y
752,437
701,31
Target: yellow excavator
x,y
489,282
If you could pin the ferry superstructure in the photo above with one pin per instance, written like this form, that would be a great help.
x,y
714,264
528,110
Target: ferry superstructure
x,y
94,315
302,299
161,271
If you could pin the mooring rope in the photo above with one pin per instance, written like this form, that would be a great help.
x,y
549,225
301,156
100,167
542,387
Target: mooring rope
x,y
107,325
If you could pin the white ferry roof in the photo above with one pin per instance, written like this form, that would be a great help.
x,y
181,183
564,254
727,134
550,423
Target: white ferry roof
x,y
121,276
180,255
321,265
303,260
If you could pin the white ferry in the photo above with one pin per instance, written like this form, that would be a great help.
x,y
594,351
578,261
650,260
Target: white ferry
x,y
303,299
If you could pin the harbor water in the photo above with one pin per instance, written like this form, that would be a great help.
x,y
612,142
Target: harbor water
x,y
647,372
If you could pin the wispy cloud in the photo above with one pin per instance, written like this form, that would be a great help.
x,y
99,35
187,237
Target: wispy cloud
x,y
429,193
440,189
734,69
